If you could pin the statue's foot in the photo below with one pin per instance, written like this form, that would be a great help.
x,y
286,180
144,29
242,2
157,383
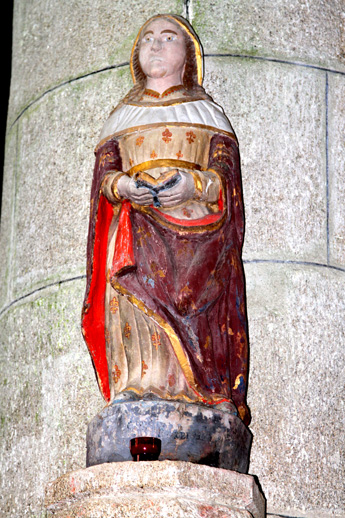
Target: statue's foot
x,y
122,397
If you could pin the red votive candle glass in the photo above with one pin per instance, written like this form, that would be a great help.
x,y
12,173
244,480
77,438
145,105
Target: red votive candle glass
x,y
145,448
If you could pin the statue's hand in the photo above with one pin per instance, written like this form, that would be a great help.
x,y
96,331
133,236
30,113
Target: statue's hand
x,y
182,191
127,189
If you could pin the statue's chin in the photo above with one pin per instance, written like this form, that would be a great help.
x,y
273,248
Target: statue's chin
x,y
157,72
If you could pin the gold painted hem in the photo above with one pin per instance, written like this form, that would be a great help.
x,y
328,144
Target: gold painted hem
x,y
162,162
172,102
144,127
179,397
161,394
174,340
182,229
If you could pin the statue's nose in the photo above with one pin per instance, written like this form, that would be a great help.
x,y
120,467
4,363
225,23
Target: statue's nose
x,y
156,45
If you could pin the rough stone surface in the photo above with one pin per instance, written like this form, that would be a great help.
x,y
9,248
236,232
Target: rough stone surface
x,y
51,48
278,114
155,489
7,207
336,120
297,332
298,30
188,432
55,163
317,513
47,396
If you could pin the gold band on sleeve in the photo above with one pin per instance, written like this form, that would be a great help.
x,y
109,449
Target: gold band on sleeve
x,y
198,184
114,187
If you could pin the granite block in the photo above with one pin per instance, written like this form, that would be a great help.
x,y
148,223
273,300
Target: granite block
x,y
155,489
45,324
336,160
48,395
64,40
152,506
297,31
296,385
317,513
55,167
7,216
279,116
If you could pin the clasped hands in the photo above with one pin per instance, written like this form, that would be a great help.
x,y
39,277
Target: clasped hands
x,y
179,193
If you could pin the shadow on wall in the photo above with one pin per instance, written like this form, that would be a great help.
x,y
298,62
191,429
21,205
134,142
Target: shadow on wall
x,y
5,82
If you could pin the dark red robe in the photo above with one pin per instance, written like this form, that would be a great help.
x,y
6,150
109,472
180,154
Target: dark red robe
x,y
202,294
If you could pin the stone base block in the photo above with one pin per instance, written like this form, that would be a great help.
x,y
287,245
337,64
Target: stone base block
x,y
189,433
154,490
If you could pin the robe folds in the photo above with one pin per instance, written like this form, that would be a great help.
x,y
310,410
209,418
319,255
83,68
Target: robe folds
x,y
164,310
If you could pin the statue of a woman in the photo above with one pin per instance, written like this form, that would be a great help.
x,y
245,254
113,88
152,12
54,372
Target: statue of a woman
x,y
164,313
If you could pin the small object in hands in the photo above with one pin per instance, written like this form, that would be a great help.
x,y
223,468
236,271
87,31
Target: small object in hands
x,y
155,189
145,448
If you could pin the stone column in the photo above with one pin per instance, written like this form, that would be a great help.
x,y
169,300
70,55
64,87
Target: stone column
x,y
278,68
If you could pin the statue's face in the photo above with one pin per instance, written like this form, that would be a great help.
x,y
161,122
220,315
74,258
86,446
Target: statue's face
x,y
162,50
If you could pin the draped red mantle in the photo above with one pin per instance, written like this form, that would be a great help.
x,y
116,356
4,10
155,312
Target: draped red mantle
x,y
202,293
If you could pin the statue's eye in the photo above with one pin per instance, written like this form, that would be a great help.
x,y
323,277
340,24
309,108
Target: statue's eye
x,y
169,37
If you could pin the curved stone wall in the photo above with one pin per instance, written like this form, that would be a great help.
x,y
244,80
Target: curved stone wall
x,y
278,69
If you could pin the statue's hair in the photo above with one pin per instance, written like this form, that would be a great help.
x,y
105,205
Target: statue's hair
x,y
190,76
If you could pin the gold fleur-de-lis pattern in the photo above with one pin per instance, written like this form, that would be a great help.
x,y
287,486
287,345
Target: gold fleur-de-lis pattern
x,y
127,330
190,135
116,374
156,340
114,305
139,141
139,352
166,136
165,142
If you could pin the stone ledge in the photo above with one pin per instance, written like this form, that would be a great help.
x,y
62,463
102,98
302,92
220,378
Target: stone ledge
x,y
161,488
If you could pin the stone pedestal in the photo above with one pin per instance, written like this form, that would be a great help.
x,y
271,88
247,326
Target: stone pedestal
x,y
153,490
189,432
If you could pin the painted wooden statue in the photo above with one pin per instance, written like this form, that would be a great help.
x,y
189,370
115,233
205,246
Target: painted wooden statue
x,y
164,314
